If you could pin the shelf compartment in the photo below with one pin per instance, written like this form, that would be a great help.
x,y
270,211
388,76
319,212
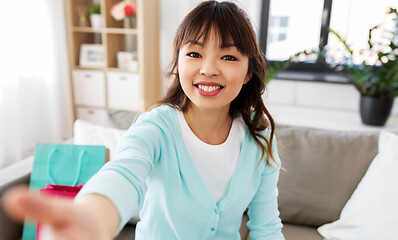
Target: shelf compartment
x,y
119,42
80,11
80,38
110,21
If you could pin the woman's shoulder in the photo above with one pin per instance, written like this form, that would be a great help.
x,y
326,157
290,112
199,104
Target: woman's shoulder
x,y
157,113
162,117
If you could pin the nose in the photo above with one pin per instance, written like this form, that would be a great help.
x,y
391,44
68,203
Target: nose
x,y
209,68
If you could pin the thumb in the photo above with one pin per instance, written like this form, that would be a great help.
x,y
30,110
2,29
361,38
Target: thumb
x,y
20,203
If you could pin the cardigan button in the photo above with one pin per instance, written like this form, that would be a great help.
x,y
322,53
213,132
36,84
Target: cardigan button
x,y
213,229
215,211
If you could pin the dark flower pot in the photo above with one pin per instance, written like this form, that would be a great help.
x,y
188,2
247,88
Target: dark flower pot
x,y
375,111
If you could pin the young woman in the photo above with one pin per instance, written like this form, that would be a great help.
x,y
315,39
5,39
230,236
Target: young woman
x,y
193,164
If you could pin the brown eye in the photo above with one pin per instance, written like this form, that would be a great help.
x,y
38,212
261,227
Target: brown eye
x,y
194,55
229,58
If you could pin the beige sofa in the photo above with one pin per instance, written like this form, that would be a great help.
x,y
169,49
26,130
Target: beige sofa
x,y
322,169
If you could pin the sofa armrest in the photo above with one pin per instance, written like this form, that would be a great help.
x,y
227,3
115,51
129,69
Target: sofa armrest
x,y
16,174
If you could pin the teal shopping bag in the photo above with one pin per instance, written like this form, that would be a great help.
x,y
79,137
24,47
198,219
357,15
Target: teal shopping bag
x,y
63,164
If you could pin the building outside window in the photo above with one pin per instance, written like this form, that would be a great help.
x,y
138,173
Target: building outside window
x,y
278,29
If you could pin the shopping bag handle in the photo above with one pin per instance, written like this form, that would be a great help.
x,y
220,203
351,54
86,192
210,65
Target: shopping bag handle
x,y
52,153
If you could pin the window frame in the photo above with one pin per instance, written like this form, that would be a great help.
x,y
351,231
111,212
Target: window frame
x,y
302,70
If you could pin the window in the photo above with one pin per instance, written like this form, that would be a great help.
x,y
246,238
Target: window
x,y
353,19
278,29
290,30
291,26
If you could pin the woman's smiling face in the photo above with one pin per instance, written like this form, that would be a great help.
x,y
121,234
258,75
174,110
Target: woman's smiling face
x,y
211,74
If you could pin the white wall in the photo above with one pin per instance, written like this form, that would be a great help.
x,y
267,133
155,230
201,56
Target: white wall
x,y
343,97
316,104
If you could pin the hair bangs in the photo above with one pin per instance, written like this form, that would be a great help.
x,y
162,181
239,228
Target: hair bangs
x,y
229,22
225,22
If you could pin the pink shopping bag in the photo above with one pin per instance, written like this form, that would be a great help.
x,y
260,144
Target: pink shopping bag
x,y
58,191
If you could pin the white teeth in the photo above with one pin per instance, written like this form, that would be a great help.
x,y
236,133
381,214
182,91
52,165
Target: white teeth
x,y
208,88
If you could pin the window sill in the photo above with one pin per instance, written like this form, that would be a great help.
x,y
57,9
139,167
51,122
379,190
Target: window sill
x,y
312,76
325,118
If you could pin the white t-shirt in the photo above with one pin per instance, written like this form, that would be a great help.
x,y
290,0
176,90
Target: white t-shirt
x,y
214,163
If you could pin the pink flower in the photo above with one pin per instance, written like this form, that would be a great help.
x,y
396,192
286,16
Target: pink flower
x,y
117,11
130,9
123,9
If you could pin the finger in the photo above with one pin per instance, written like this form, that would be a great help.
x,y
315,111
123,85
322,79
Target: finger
x,y
10,202
22,203
45,209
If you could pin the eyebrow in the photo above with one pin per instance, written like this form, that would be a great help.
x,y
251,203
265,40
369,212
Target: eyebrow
x,y
226,45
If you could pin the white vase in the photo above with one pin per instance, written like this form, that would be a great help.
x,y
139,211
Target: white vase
x,y
95,21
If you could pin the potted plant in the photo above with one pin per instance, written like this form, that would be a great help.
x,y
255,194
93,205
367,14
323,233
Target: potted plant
x,y
274,68
377,83
95,16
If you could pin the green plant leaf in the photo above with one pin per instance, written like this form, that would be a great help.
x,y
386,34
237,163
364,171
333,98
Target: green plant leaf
x,y
95,9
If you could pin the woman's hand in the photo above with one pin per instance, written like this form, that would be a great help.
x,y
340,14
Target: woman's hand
x,y
67,220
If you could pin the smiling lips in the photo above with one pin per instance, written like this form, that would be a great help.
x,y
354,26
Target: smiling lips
x,y
208,89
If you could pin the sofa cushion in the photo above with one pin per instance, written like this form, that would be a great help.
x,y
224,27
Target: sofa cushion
x,y
127,233
323,168
87,133
371,212
299,232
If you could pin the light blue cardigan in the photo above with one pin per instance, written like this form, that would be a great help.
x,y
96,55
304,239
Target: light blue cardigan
x,y
151,170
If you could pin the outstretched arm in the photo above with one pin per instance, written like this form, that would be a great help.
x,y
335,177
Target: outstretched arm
x,y
91,217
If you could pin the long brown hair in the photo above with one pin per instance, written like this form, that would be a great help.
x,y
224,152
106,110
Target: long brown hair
x,y
228,22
